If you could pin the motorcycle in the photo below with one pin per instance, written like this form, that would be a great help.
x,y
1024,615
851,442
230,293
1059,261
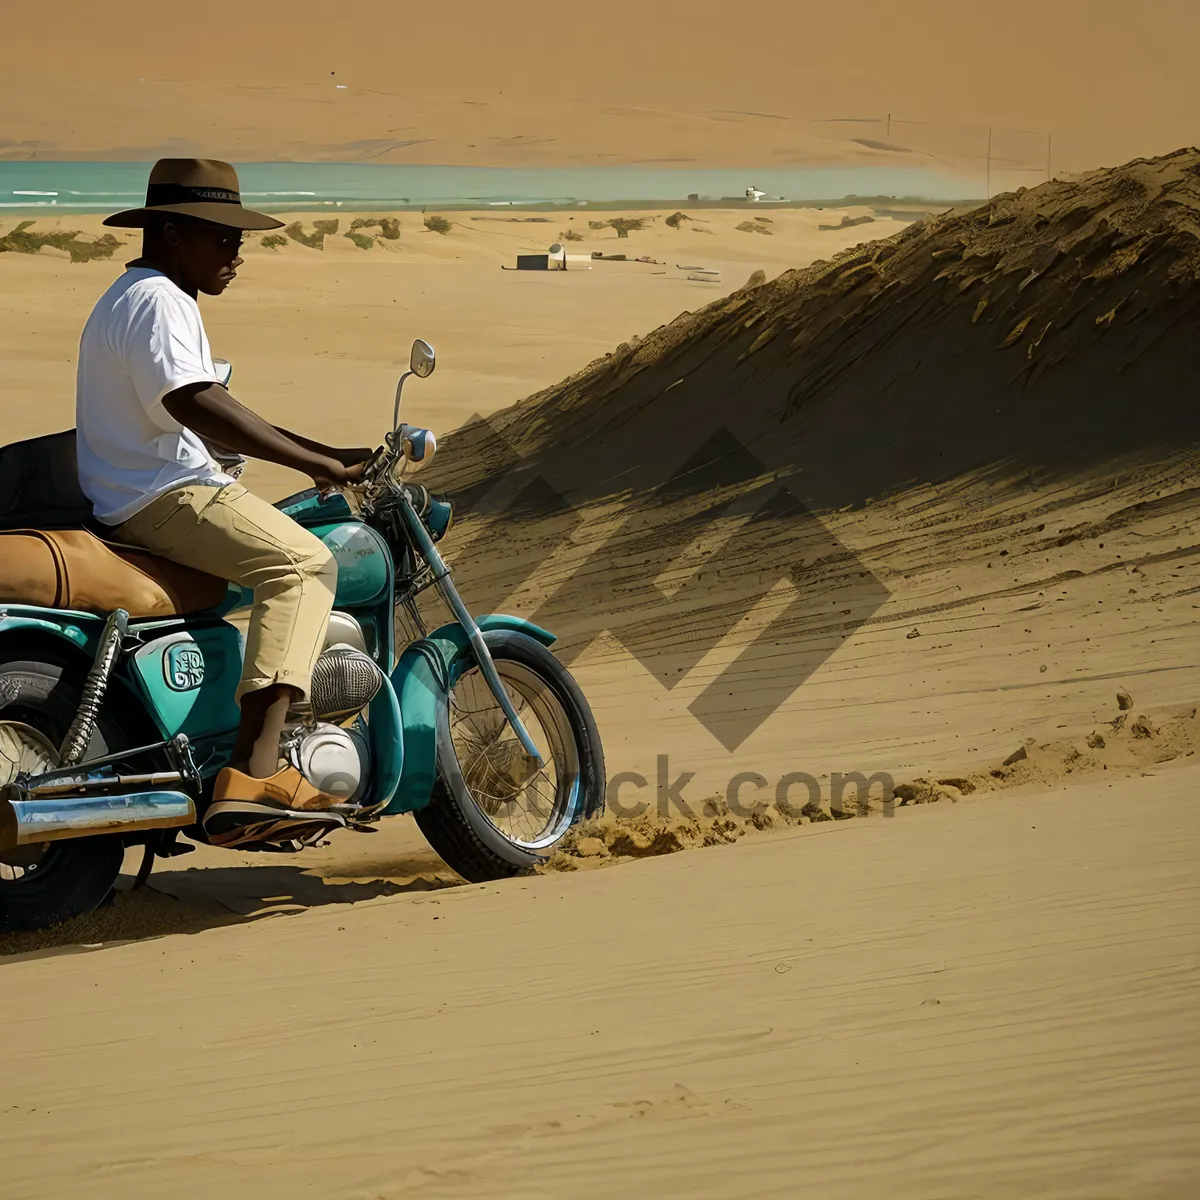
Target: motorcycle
x,y
114,724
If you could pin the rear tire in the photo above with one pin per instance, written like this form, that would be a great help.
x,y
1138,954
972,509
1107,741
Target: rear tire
x,y
69,878
457,824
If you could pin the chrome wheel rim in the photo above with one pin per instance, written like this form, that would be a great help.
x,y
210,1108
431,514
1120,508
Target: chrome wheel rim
x,y
531,807
23,751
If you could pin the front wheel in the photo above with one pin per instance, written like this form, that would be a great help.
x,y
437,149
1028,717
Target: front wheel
x,y
493,812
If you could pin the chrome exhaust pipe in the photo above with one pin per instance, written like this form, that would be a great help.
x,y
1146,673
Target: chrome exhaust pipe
x,y
26,821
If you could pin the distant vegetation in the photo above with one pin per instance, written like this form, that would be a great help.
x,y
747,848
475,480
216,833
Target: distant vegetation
x,y
316,239
753,227
571,235
438,224
388,227
273,241
81,248
676,219
623,225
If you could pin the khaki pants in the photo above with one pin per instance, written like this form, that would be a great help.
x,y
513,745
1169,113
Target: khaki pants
x,y
234,535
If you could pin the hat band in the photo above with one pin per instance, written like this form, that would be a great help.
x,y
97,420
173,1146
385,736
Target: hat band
x,y
159,195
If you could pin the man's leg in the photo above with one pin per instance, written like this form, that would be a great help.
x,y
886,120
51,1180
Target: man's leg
x,y
234,535
264,714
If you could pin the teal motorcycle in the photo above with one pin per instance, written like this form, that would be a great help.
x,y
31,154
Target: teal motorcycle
x,y
113,726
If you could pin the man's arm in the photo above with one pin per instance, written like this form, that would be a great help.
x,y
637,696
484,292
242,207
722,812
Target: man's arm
x,y
348,458
209,410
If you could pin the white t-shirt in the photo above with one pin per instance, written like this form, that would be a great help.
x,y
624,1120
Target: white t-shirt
x,y
143,340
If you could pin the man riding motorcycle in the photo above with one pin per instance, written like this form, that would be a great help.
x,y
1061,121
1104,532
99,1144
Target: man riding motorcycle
x,y
149,408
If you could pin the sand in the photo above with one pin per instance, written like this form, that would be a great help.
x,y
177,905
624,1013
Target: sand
x,y
988,992
991,999
535,83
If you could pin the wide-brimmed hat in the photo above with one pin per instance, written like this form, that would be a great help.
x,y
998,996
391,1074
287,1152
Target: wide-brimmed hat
x,y
194,187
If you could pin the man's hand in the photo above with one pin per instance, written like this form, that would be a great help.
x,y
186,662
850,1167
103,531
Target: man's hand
x,y
352,458
332,474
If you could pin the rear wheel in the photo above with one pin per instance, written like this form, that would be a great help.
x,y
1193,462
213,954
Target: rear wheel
x,y
42,885
494,813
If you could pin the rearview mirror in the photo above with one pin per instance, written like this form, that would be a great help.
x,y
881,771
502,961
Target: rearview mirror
x,y
224,371
422,360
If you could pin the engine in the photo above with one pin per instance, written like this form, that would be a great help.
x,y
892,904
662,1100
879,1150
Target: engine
x,y
333,759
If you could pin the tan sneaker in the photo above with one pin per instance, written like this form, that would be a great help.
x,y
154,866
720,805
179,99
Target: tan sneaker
x,y
284,810
287,788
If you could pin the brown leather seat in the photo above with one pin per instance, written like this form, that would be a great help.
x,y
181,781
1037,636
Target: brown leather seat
x,y
72,568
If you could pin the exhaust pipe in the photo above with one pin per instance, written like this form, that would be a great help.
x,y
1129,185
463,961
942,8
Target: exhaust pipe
x,y
28,821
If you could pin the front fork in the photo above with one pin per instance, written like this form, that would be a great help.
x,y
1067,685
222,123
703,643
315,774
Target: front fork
x,y
449,593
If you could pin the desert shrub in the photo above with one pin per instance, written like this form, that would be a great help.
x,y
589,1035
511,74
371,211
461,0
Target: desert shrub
x,y
622,225
314,241
361,240
389,228
81,248
327,227
362,223
676,219
89,251
753,227
273,241
17,241
570,235
437,224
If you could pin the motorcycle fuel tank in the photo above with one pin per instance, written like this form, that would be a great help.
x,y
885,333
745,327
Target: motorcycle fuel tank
x,y
363,562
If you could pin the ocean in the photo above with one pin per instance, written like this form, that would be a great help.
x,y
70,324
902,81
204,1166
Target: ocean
x,y
28,187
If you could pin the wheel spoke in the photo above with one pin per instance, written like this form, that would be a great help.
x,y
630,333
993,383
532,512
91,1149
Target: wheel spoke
x,y
23,750
523,804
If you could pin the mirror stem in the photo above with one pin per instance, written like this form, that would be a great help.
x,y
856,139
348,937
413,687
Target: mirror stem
x,y
396,410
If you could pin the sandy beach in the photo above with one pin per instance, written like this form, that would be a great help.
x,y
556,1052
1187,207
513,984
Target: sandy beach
x,y
984,588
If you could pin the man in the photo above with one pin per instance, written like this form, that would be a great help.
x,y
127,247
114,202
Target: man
x,y
147,401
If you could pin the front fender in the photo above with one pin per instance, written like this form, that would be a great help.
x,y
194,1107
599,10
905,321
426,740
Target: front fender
x,y
422,681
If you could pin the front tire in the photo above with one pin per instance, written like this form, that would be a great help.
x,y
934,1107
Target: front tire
x,y
489,817
44,885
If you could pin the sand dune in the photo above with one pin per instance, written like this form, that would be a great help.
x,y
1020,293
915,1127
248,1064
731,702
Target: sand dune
x,y
692,512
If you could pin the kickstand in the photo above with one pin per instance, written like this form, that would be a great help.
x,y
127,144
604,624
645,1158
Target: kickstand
x,y
144,870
